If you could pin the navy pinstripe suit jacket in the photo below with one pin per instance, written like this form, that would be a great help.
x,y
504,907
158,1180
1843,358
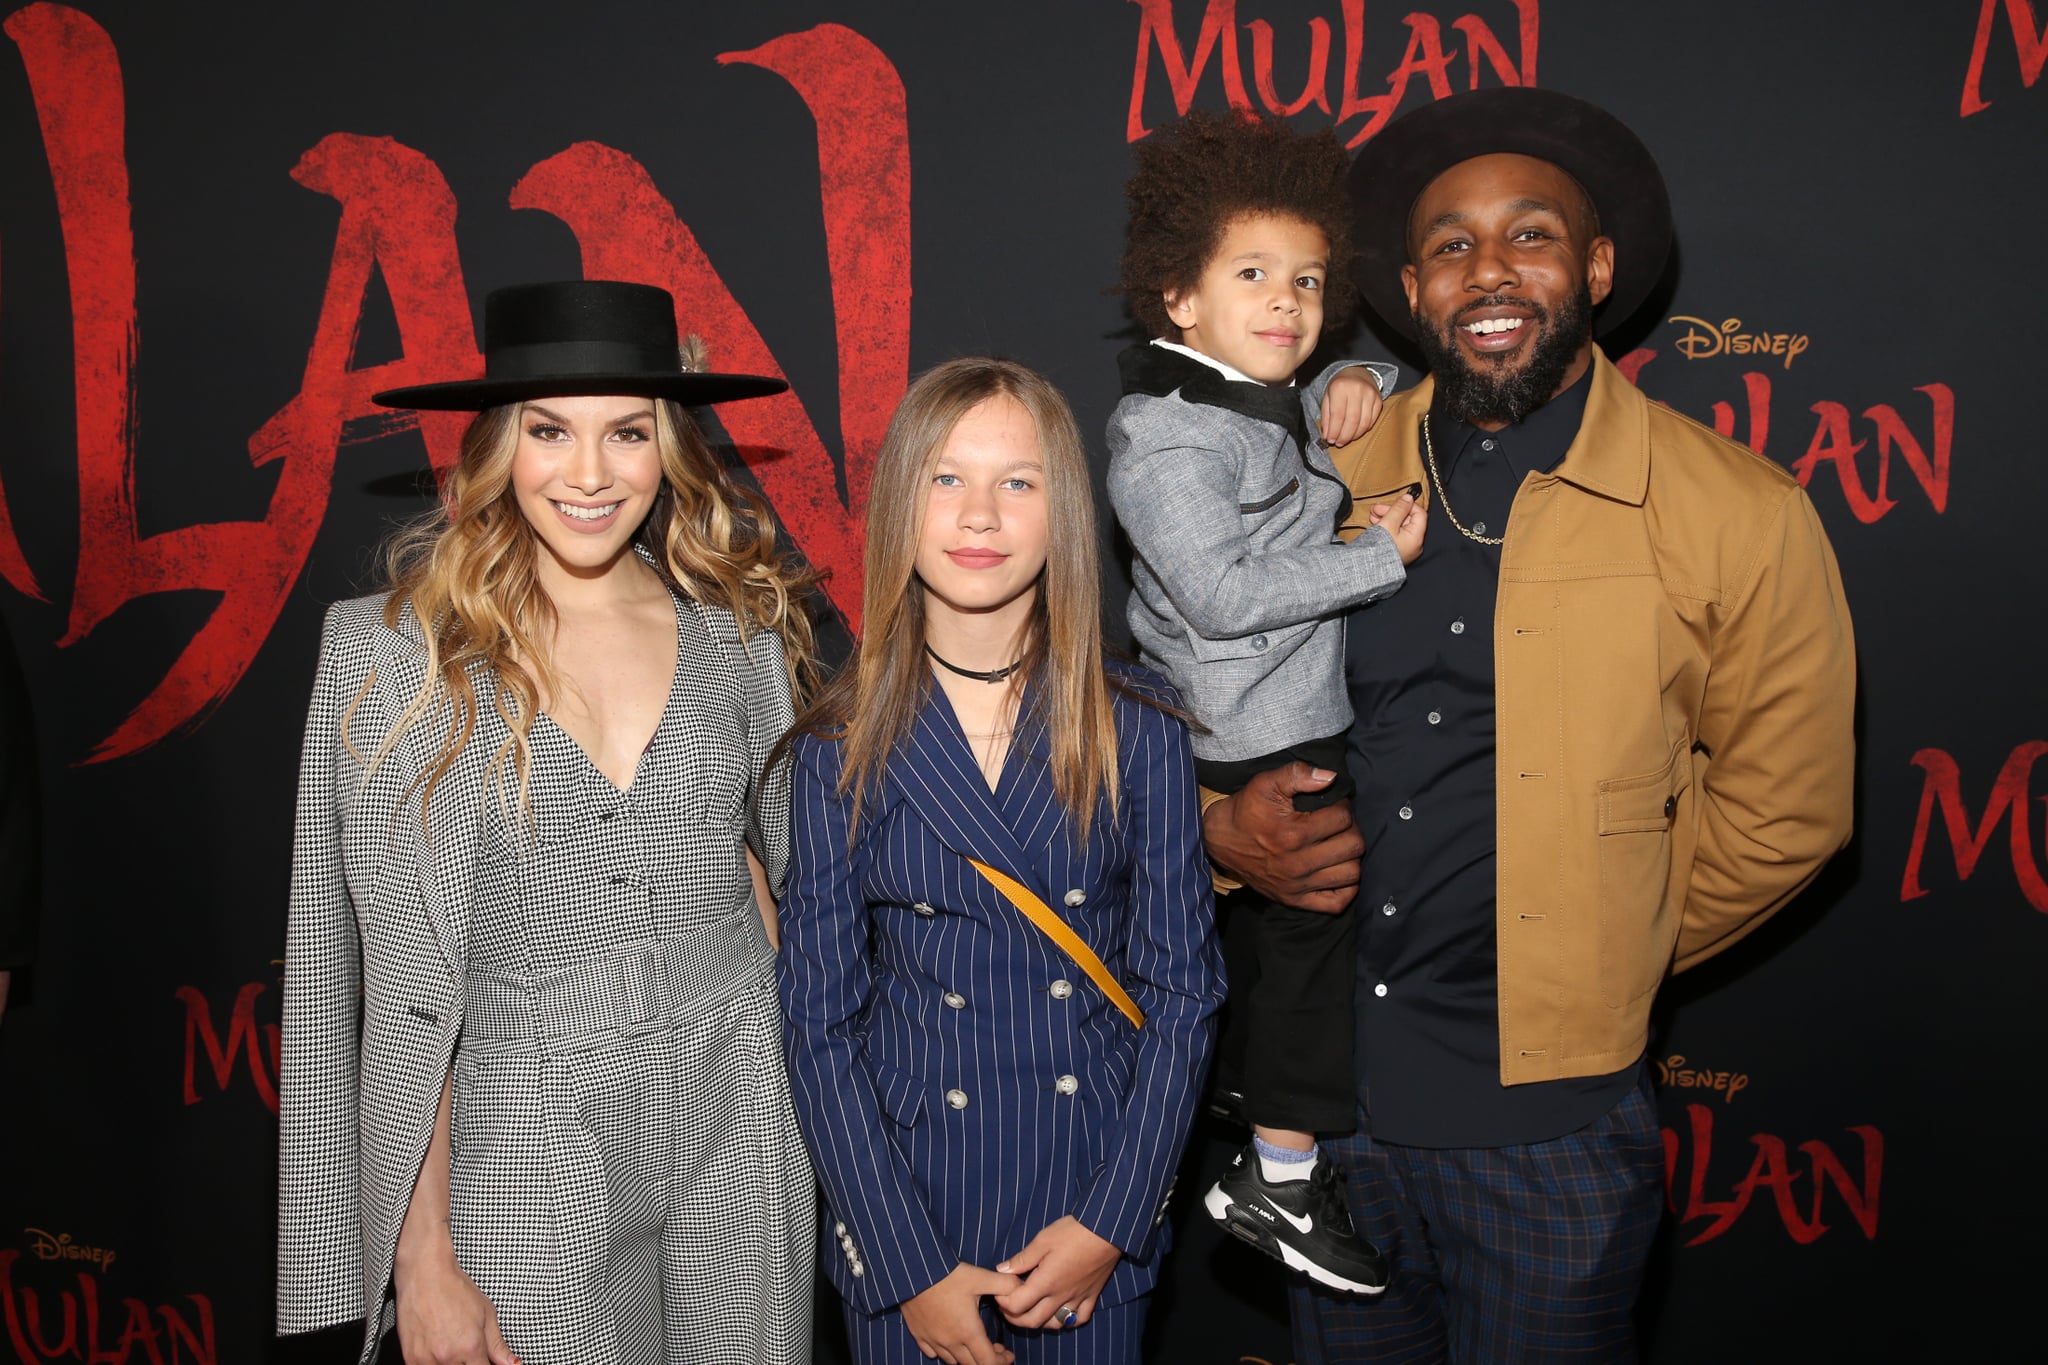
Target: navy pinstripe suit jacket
x,y
961,1082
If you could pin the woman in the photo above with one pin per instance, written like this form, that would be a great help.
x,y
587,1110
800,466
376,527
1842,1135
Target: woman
x,y
549,1121
989,1120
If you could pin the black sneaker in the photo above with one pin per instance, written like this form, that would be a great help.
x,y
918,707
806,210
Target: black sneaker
x,y
1302,1223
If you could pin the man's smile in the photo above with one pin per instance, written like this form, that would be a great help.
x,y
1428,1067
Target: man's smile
x,y
1495,329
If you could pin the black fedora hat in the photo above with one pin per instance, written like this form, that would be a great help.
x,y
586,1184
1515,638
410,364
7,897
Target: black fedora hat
x,y
579,337
1588,143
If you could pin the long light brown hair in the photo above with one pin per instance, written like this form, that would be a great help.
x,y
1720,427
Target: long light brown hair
x,y
469,573
871,707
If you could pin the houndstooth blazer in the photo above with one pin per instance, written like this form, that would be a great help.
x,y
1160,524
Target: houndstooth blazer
x,y
374,956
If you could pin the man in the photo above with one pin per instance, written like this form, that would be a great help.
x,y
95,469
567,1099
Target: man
x,y
1602,733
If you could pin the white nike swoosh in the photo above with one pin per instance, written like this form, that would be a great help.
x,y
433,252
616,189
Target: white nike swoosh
x,y
1301,1225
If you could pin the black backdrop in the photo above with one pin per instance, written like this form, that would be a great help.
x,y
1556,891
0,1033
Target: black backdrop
x,y
1851,1118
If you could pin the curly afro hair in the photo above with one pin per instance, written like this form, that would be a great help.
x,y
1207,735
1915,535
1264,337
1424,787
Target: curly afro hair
x,y
1198,176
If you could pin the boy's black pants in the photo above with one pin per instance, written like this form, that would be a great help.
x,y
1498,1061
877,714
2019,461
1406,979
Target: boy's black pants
x,y
1288,1029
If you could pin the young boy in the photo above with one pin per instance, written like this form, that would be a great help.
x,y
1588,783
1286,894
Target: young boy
x,y
1236,263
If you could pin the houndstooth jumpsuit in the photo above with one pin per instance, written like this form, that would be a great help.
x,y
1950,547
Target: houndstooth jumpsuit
x,y
627,1181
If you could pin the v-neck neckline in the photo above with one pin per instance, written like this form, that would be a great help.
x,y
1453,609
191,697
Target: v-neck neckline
x,y
675,681
959,732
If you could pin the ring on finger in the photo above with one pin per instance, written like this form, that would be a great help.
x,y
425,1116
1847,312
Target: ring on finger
x,y
1067,1314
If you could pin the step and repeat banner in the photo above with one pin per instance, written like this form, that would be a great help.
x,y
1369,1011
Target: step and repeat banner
x,y
223,226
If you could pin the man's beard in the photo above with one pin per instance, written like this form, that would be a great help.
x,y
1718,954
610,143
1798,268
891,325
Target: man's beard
x,y
1500,391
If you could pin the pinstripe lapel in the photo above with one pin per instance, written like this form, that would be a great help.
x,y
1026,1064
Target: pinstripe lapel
x,y
940,779
1025,799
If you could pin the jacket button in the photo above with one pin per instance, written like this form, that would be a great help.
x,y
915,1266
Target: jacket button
x,y
955,1000
957,1098
1066,1085
1076,898
1458,626
1061,989
857,1270
1670,806
839,1229
1258,642
922,909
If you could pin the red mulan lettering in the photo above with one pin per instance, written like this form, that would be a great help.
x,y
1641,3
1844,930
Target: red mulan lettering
x,y
2029,37
261,1045
1832,445
1772,1169
165,1335
1835,444
2008,801
398,224
1425,57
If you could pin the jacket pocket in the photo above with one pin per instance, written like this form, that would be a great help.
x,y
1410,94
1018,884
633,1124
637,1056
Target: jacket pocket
x,y
1638,912
902,1095
1271,500
1266,648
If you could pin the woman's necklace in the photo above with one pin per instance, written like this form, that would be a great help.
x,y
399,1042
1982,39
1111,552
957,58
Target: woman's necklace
x,y
993,675
1436,480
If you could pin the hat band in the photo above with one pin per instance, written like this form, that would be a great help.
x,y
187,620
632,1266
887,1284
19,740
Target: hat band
x,y
547,359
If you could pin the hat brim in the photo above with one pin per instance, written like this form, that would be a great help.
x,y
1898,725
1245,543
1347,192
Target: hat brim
x,y
474,395
1588,143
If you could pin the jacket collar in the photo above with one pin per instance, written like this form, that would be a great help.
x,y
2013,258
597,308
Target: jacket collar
x,y
1610,456
1157,372
936,773
447,854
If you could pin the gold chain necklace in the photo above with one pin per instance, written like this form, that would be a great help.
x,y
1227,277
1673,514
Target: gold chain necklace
x,y
1436,481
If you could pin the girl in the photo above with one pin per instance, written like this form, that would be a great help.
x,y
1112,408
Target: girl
x,y
545,1118
996,873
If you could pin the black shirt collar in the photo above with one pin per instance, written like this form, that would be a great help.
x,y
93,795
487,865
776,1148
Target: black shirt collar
x,y
1535,444
1156,371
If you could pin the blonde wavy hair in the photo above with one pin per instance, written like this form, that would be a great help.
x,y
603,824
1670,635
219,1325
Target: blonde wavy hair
x,y
469,574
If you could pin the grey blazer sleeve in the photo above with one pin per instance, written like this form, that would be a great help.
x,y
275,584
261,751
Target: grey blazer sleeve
x,y
1312,392
319,1234
1179,505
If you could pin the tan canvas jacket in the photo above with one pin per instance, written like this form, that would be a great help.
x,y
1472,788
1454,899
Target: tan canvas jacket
x,y
1675,681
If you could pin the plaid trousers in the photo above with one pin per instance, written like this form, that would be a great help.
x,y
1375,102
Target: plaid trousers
x,y
1503,1254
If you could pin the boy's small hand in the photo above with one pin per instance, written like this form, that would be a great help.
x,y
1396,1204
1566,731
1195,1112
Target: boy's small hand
x,y
1350,406
1405,521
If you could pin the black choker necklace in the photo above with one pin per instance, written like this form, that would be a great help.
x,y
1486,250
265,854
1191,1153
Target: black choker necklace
x,y
993,675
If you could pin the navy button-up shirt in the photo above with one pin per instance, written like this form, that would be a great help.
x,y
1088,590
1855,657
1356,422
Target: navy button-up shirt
x,y
1420,668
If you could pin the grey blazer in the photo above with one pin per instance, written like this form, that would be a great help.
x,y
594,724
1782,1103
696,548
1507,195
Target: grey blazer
x,y
1239,584
374,957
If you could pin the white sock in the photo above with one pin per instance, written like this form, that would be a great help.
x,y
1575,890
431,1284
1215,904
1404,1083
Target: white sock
x,y
1279,1164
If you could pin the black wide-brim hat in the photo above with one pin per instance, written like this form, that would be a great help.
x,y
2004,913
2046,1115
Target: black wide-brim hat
x,y
1591,145
577,337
